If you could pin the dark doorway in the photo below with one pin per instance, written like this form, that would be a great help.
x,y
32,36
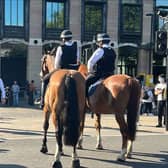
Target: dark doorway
x,y
13,63
13,68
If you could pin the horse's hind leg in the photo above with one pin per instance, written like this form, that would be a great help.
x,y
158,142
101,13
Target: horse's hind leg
x,y
82,123
123,129
44,148
58,135
75,159
98,127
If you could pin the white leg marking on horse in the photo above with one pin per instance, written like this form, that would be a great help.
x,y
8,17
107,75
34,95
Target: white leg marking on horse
x,y
80,141
99,142
57,153
129,149
122,154
74,156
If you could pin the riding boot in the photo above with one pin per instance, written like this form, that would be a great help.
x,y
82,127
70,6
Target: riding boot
x,y
44,85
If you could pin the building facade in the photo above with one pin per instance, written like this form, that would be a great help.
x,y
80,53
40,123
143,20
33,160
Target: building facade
x,y
29,27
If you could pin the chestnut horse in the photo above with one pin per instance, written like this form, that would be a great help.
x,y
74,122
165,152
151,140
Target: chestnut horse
x,y
65,101
120,95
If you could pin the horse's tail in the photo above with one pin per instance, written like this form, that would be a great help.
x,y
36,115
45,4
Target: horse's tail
x,y
132,108
70,114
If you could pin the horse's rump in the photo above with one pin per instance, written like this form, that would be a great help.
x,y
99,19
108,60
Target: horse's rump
x,y
113,94
65,96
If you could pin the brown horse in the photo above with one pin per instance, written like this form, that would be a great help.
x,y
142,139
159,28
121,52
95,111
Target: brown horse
x,y
65,101
118,94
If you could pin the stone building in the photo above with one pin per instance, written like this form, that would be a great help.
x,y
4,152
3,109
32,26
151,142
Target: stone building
x,y
28,27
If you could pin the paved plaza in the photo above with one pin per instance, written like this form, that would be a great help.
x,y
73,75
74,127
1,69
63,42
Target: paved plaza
x,y
21,138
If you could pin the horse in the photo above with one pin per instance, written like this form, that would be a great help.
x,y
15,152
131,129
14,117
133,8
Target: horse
x,y
117,94
65,101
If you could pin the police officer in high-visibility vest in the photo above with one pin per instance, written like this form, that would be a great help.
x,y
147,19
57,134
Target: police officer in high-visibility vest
x,y
102,62
67,57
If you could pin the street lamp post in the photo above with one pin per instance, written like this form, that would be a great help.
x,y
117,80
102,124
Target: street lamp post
x,y
150,70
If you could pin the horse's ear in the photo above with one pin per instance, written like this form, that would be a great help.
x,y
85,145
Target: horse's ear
x,y
53,51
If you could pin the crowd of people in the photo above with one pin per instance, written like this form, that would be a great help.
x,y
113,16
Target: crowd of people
x,y
10,95
101,64
153,99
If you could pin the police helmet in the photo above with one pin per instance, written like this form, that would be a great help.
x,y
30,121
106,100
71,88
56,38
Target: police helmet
x,y
66,34
103,37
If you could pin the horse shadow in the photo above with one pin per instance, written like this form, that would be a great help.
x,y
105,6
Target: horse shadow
x,y
136,161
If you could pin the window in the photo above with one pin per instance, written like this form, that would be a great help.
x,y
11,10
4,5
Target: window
x,y
94,19
55,14
131,18
131,12
55,18
14,12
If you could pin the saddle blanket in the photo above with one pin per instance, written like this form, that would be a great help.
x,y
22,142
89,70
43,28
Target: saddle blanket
x,y
93,87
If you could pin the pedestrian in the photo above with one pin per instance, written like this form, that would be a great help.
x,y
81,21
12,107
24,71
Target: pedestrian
x,y
15,93
160,91
3,94
102,62
32,91
147,100
67,57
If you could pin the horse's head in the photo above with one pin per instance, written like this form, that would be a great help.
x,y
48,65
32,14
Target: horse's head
x,y
47,64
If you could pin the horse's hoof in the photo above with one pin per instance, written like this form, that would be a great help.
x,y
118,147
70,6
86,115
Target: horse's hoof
x,y
120,159
44,149
62,153
129,156
75,164
99,147
79,147
57,164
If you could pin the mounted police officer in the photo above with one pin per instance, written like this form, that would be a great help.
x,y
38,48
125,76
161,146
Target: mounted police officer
x,y
102,62
67,57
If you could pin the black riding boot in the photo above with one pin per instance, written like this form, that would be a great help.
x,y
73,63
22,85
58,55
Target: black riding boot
x,y
43,90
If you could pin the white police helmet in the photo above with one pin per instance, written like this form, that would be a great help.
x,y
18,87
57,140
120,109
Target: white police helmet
x,y
103,37
66,34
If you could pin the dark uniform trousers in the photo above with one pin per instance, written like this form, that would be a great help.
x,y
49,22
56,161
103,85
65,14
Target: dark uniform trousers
x,y
93,77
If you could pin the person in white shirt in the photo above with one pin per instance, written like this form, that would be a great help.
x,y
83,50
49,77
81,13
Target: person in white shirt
x,y
3,94
102,62
160,92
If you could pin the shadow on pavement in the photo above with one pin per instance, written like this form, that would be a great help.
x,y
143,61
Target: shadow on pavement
x,y
25,132
11,166
137,161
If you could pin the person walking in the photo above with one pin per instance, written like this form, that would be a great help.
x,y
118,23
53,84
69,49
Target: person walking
x,y
160,91
147,100
3,94
102,62
67,57
32,90
15,92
